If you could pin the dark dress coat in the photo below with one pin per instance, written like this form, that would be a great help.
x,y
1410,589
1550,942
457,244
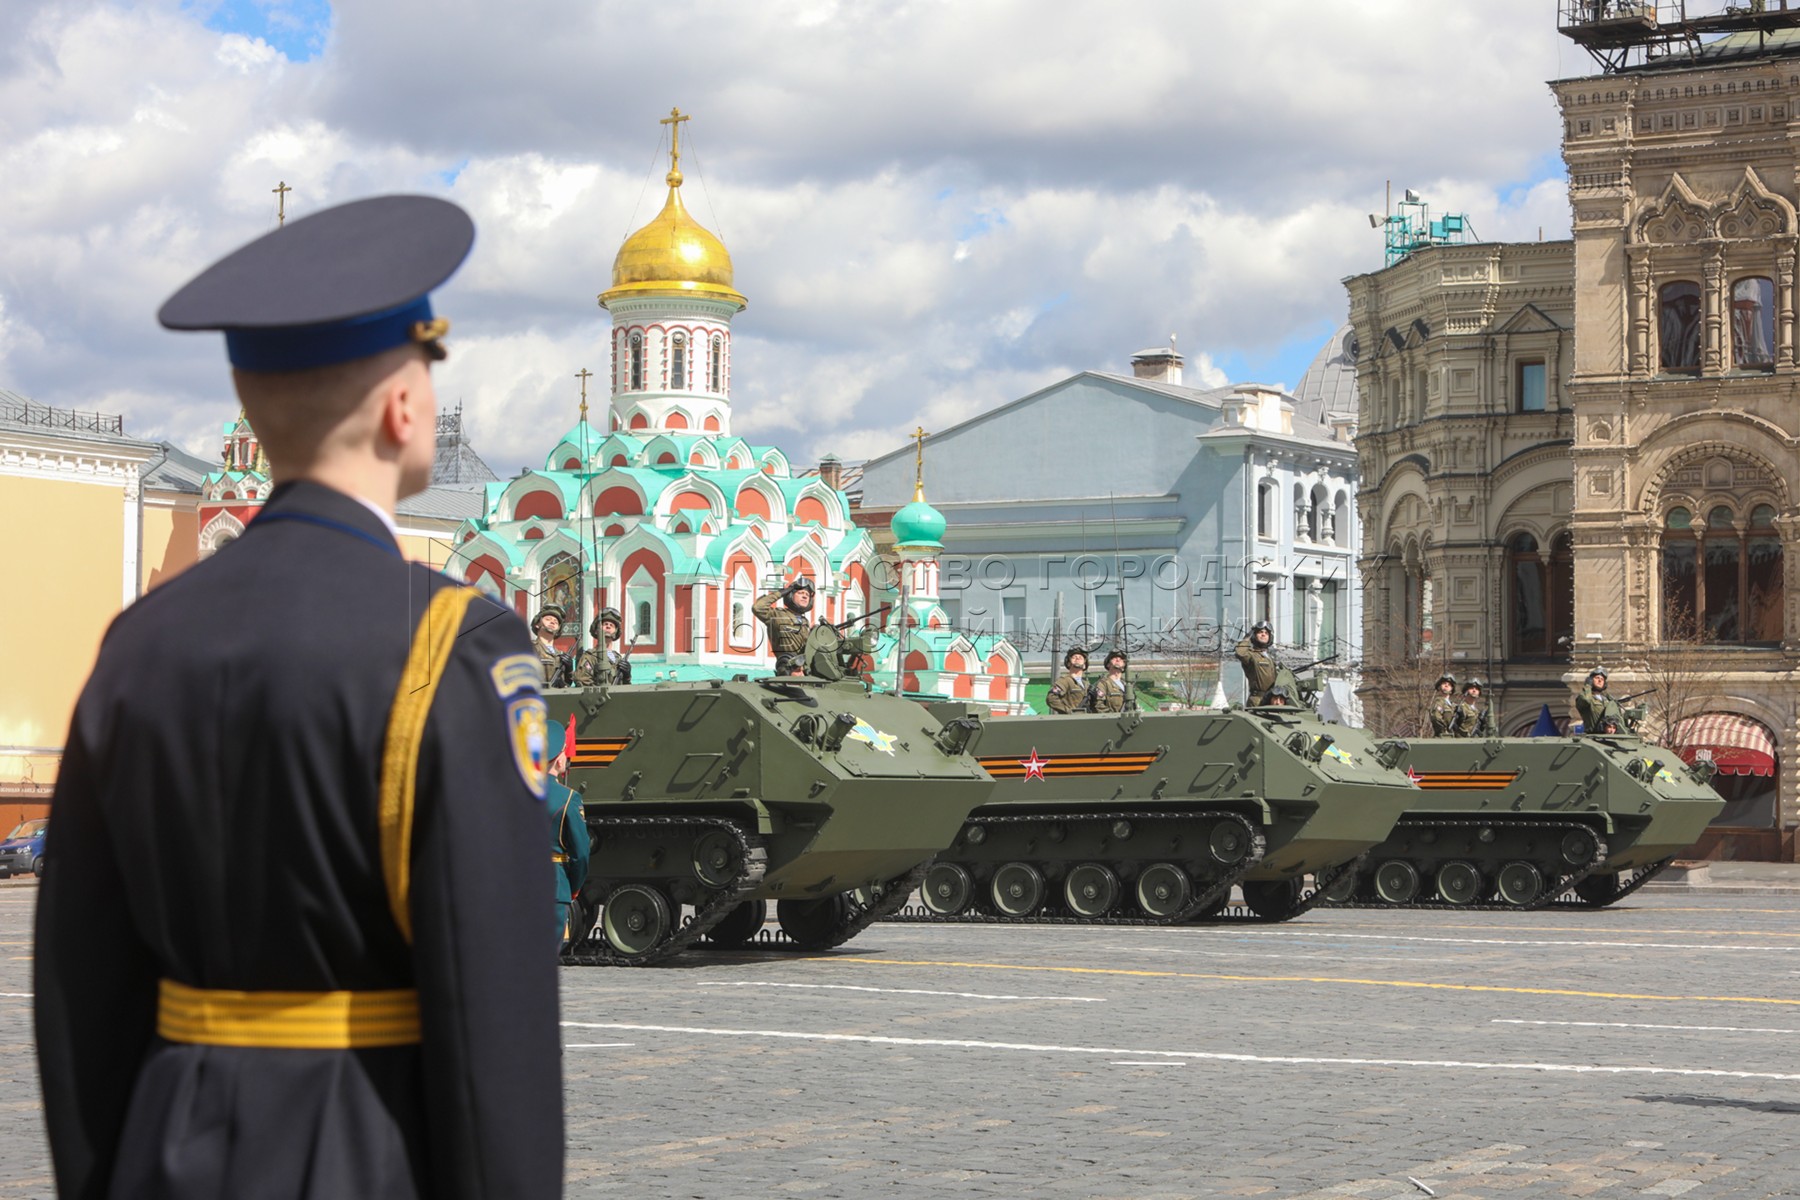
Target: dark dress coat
x,y
216,825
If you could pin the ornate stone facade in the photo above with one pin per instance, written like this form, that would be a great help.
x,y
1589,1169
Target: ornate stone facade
x,y
1684,381
1463,450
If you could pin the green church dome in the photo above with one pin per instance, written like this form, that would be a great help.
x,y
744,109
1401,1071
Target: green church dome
x,y
918,524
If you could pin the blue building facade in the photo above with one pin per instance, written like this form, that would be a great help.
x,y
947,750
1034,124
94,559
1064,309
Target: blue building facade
x,y
1135,511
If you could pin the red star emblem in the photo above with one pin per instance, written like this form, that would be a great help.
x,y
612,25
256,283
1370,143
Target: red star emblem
x,y
1034,766
1413,776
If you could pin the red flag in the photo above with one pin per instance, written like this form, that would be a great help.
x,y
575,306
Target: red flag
x,y
569,740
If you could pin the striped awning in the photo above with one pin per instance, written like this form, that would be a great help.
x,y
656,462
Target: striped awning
x,y
1738,745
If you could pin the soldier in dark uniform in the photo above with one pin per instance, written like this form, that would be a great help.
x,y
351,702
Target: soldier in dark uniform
x,y
1256,654
1474,717
603,664
1111,693
786,614
301,804
545,627
1069,694
1443,707
569,843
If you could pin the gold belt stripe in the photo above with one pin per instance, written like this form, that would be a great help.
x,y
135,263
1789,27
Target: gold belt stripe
x,y
287,1020
425,665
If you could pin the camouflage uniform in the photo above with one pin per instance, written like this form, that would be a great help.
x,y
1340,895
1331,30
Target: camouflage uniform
x,y
1473,720
1069,694
598,666
1443,717
1109,694
1597,708
787,629
1259,668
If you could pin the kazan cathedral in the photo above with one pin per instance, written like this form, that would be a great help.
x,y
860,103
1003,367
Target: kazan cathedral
x,y
662,513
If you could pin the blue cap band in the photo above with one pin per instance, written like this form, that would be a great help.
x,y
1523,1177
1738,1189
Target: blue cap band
x,y
297,348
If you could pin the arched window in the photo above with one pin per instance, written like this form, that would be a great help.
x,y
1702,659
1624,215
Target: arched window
x,y
637,362
678,361
1678,325
643,615
1543,594
1265,509
1753,323
1722,582
717,364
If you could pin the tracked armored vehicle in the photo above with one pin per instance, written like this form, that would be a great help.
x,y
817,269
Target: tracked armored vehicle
x,y
1519,823
705,801
1151,818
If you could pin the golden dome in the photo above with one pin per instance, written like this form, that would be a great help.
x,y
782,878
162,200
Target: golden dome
x,y
673,253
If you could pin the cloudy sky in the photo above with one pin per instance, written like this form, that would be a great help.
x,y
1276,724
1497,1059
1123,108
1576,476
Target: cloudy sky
x,y
933,206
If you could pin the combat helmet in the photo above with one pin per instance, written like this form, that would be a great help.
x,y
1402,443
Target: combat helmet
x,y
606,614
1474,681
1069,656
549,610
1446,677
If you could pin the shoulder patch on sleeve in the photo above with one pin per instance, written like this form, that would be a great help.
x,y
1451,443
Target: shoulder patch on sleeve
x,y
517,673
527,720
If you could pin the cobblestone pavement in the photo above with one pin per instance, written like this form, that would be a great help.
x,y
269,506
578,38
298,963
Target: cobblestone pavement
x,y
1649,1050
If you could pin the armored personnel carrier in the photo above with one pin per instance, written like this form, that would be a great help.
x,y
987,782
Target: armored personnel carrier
x,y
1151,818
707,800
1517,823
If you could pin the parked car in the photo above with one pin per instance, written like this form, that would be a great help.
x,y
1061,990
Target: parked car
x,y
22,853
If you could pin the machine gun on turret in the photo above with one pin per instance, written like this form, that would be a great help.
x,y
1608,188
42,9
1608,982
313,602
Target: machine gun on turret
x,y
831,656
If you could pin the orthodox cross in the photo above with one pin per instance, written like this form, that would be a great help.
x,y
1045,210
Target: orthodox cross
x,y
919,436
281,190
584,375
673,121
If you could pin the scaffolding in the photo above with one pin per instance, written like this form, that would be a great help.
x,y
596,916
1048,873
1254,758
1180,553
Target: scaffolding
x,y
1412,227
1622,34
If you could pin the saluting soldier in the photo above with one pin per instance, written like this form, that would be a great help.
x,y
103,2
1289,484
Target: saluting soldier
x,y
1256,654
1600,713
1111,693
1069,694
1475,717
787,615
545,628
1443,707
318,772
604,663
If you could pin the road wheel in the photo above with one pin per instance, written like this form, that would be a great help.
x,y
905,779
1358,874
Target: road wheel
x,y
1519,884
1272,899
1460,883
1228,843
1017,889
947,889
1599,889
813,924
1163,890
740,924
1091,890
636,917
1578,847
1396,881
1343,888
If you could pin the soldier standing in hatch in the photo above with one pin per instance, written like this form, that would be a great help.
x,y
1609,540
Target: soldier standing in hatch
x,y
787,614
1443,707
321,770
1069,694
1474,717
602,664
1600,713
1111,693
544,630
1256,654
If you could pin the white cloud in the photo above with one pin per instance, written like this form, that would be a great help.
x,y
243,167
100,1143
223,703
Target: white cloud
x,y
933,208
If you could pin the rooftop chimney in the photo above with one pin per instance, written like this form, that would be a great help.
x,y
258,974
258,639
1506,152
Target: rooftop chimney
x,y
1161,363
831,472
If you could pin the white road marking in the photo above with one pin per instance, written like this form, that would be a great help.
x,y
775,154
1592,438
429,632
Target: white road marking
x,y
1126,1062
17,995
1635,1025
849,987
1318,936
597,1045
1189,1055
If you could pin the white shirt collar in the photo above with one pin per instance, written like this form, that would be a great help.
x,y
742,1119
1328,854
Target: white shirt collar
x,y
381,513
